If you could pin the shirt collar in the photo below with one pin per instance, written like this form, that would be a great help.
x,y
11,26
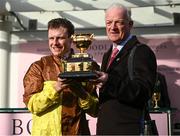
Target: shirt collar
x,y
119,46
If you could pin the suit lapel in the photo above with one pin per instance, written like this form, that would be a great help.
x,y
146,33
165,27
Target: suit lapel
x,y
106,59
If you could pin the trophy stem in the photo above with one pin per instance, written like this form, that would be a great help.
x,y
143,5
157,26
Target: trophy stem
x,y
82,50
156,105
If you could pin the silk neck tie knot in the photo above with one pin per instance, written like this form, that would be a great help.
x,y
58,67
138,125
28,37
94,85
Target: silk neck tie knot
x,y
113,55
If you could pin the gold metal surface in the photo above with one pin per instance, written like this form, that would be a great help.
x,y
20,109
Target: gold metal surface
x,y
82,41
78,66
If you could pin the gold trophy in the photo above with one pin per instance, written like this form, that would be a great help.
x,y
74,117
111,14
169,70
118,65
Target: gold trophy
x,y
156,97
80,65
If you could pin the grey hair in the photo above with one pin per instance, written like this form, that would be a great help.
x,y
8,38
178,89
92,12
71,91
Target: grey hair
x,y
118,5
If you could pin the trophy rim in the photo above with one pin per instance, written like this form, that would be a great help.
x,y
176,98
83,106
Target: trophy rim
x,y
80,37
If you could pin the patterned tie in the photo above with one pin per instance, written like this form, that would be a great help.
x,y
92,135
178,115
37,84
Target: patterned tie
x,y
113,55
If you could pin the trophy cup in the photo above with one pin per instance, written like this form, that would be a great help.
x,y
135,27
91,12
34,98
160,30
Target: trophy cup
x,y
80,65
156,97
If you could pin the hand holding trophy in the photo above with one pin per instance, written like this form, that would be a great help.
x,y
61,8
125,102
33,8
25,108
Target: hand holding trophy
x,y
80,66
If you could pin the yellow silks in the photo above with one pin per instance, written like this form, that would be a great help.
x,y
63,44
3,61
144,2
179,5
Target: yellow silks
x,y
46,109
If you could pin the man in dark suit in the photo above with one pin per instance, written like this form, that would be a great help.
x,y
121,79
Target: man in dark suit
x,y
123,99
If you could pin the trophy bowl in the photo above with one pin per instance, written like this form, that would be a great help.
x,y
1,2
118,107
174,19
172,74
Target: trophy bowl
x,y
82,41
81,65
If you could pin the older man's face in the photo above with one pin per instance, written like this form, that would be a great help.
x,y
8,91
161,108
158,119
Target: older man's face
x,y
117,25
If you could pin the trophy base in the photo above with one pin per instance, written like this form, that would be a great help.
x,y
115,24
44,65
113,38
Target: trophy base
x,y
84,75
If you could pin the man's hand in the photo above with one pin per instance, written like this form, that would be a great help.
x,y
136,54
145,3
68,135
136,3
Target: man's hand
x,y
61,84
101,80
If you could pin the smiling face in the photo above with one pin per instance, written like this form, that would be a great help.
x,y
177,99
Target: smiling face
x,y
59,41
118,25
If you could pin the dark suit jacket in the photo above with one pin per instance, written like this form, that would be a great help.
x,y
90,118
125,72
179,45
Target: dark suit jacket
x,y
123,100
